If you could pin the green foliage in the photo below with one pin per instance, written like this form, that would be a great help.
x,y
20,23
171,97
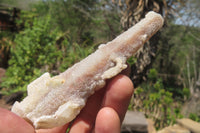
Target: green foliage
x,y
33,49
194,117
156,101
153,74
38,49
186,93
178,58
26,19
131,60
73,53
75,17
85,21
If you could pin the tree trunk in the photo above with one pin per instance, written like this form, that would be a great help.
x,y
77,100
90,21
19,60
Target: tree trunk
x,y
133,11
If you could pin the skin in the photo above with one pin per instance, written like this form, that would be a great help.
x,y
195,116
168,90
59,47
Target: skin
x,y
103,113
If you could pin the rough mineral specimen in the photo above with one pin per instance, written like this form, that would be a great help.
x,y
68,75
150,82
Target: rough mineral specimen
x,y
54,101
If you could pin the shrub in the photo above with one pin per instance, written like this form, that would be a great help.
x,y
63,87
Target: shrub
x,y
38,49
154,99
194,117
33,49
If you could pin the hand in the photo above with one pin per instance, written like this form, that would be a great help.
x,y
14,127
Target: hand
x,y
103,113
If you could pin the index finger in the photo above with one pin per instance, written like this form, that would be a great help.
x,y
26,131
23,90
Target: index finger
x,y
118,94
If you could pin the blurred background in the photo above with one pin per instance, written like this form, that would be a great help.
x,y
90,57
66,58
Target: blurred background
x,y
50,35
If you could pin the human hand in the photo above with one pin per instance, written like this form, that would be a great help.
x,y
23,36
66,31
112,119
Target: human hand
x,y
103,113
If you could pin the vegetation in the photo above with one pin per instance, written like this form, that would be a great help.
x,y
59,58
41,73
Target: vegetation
x,y
53,35
156,101
38,49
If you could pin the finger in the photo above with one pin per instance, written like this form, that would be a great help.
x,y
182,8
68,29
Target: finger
x,y
61,129
118,95
11,123
107,121
85,120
